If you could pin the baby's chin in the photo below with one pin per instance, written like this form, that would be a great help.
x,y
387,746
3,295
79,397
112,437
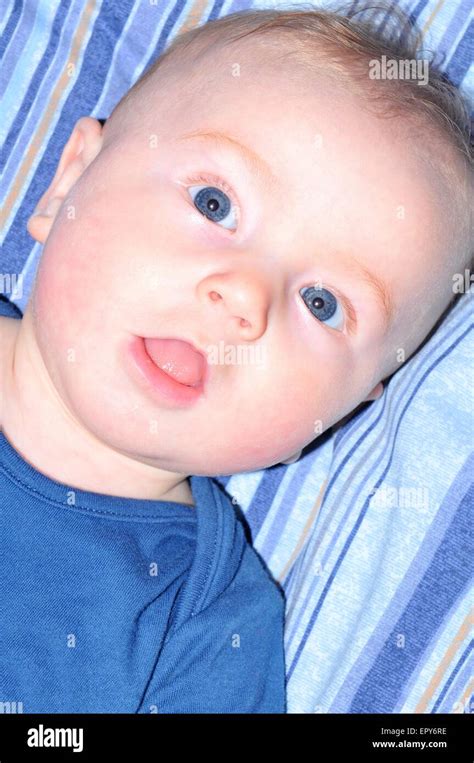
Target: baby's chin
x,y
209,461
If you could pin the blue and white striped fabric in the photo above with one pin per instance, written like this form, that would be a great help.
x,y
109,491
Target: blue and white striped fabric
x,y
370,532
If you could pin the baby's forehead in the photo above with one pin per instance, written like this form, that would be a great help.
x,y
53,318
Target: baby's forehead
x,y
240,93
235,68
323,133
318,127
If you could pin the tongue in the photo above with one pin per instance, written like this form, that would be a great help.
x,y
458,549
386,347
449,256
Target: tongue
x,y
178,359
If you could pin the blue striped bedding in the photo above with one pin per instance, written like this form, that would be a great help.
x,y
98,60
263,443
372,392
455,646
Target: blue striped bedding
x,y
370,532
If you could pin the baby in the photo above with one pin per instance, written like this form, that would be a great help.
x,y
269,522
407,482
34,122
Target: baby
x,y
256,189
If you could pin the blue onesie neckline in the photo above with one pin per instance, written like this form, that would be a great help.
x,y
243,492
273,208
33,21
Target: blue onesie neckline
x,y
220,539
24,474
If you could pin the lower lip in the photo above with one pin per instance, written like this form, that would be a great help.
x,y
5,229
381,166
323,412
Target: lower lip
x,y
157,381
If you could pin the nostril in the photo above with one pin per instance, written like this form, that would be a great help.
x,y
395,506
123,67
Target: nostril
x,y
215,296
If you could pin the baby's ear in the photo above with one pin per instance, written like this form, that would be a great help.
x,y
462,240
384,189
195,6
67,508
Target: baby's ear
x,y
81,149
376,393
293,458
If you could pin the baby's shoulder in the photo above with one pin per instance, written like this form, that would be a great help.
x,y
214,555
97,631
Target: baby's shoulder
x,y
8,331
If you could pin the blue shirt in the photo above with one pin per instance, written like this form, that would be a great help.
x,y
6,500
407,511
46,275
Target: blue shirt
x,y
125,605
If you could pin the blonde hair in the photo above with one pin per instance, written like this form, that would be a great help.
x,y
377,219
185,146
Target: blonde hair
x,y
345,46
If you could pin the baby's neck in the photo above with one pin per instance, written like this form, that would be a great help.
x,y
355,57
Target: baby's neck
x,y
41,428
9,328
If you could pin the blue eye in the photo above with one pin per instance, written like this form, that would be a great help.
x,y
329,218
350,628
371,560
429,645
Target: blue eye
x,y
324,306
215,205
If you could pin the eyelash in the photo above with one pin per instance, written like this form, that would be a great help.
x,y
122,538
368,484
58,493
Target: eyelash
x,y
216,181
349,311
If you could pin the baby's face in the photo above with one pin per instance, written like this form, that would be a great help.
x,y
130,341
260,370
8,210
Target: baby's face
x,y
132,254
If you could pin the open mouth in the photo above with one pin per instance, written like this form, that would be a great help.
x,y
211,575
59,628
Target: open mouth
x,y
169,369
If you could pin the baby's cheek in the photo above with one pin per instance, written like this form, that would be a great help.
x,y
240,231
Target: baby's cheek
x,y
66,322
60,294
312,394
283,419
73,269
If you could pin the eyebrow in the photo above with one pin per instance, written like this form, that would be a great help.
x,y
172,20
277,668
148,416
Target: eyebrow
x,y
260,168
254,163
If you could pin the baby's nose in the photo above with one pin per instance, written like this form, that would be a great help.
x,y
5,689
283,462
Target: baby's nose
x,y
242,298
